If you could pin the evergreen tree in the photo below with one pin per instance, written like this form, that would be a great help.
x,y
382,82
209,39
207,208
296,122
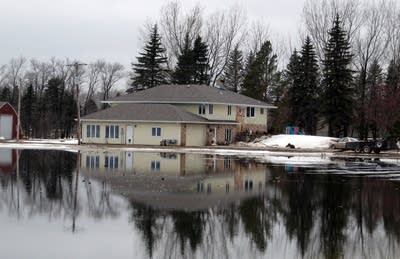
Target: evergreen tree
x,y
293,80
52,107
184,71
28,111
338,92
5,94
200,52
91,107
192,66
374,82
393,75
262,77
149,68
234,70
310,85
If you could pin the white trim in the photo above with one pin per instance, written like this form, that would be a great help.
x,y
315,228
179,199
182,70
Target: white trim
x,y
153,121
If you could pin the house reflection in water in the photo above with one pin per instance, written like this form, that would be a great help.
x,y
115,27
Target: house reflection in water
x,y
214,173
229,174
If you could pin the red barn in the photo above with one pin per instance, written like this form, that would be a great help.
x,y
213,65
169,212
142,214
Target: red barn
x,y
8,121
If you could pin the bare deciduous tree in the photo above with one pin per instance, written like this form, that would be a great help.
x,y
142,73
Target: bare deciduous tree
x,y
318,16
392,26
223,31
15,76
259,33
92,80
176,25
110,74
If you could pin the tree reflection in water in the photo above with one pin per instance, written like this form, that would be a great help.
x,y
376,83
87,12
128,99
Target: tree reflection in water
x,y
315,216
319,213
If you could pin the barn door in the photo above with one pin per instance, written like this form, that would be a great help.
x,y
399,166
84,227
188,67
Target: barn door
x,y
6,126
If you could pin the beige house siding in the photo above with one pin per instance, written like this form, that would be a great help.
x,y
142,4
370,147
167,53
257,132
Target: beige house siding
x,y
169,164
196,135
102,138
220,111
142,133
141,163
260,119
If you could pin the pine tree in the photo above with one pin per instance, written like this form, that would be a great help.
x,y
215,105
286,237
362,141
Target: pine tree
x,y
5,94
338,92
234,71
309,79
393,75
374,82
262,77
192,66
28,111
200,52
293,80
184,71
149,68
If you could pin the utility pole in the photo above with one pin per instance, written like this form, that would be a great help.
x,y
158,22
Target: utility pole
x,y
19,110
76,65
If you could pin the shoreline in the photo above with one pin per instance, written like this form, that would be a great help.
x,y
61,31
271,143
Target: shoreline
x,y
69,145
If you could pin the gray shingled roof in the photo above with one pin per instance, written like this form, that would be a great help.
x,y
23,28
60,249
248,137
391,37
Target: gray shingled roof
x,y
146,112
188,94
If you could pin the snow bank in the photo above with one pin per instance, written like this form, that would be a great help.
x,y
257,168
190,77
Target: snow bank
x,y
299,141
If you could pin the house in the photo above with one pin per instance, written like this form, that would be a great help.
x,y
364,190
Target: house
x,y
8,121
185,115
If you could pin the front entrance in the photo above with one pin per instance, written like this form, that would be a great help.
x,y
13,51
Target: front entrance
x,y
129,135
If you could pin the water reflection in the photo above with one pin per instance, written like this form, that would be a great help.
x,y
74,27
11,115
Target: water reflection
x,y
244,207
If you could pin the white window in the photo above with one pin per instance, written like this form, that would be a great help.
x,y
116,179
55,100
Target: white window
x,y
111,162
228,135
229,110
210,109
227,162
248,185
92,162
112,131
202,109
93,131
155,165
250,112
156,132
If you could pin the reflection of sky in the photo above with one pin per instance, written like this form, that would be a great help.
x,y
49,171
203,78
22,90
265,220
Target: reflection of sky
x,y
49,234
42,227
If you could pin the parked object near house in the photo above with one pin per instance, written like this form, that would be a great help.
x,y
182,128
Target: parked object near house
x,y
368,146
8,121
341,143
184,115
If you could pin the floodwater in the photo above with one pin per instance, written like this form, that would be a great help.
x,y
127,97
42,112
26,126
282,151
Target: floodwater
x,y
118,204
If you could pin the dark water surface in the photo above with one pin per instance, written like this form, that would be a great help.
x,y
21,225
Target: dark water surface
x,y
162,205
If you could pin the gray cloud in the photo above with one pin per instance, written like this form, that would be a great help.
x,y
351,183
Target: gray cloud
x,y
109,29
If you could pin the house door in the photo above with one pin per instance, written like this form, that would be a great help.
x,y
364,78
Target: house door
x,y
6,126
128,161
129,135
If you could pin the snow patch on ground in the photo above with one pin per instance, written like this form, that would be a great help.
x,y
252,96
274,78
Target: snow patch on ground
x,y
299,141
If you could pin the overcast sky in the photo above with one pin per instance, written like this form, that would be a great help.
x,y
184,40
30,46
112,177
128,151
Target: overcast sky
x,y
109,29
